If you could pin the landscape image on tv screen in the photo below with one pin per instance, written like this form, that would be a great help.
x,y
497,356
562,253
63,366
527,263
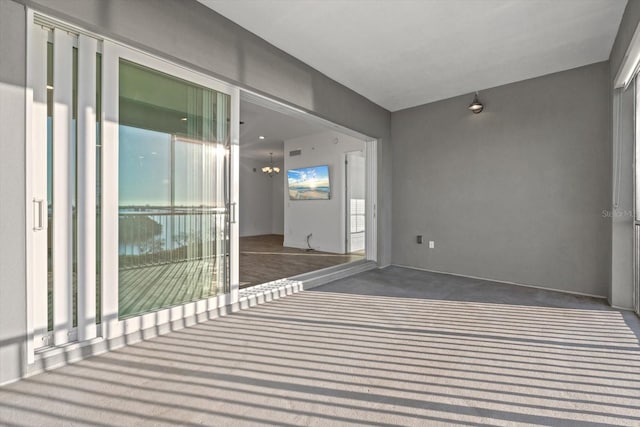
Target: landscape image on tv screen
x,y
309,183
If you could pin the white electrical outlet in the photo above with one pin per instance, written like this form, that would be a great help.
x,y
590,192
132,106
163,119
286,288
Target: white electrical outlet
x,y
432,244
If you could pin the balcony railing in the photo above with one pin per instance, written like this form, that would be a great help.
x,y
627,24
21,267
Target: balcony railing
x,y
159,235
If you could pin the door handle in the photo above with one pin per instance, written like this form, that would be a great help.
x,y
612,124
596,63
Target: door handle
x,y
232,208
38,214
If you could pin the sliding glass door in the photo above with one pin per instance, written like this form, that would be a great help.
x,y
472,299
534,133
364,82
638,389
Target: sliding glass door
x,y
168,225
173,222
64,148
133,166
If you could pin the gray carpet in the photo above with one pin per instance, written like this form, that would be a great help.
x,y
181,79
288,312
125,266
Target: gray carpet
x,y
391,347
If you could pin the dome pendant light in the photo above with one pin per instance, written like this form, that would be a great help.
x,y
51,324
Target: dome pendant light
x,y
476,106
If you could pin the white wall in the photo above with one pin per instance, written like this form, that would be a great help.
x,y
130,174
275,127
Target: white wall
x,y
260,196
278,194
260,204
325,219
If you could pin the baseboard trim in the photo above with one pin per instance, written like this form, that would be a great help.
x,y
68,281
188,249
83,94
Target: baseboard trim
x,y
327,275
617,307
304,246
503,282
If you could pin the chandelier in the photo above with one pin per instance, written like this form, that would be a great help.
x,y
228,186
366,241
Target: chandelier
x,y
271,170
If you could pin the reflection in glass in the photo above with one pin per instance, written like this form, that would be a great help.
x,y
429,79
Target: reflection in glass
x,y
173,231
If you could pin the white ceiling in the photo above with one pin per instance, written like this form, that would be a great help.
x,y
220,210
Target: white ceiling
x,y
403,53
276,127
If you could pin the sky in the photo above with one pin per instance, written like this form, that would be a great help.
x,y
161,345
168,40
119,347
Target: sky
x,y
145,175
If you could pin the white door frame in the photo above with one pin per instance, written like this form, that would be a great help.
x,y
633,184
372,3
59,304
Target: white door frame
x,y
112,326
371,156
36,118
62,188
636,188
348,187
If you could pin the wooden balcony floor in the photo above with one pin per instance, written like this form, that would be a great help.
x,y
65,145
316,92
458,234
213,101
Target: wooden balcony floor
x,y
151,287
262,259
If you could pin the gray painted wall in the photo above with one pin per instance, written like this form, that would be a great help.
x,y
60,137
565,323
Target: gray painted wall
x,y
183,31
13,315
628,25
515,193
621,277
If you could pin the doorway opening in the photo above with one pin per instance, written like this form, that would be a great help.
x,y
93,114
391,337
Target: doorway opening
x,y
303,193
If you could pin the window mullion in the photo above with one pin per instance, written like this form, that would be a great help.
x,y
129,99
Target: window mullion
x,y
62,186
40,277
109,209
86,298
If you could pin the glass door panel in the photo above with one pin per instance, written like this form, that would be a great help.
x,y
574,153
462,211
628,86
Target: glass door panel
x,y
63,184
173,222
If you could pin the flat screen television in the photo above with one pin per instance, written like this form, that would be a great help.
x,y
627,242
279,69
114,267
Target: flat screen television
x,y
310,183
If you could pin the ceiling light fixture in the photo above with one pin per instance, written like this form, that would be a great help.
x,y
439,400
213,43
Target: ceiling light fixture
x,y
261,137
271,170
184,119
476,106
